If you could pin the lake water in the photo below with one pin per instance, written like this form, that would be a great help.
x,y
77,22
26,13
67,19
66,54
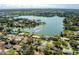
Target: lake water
x,y
53,26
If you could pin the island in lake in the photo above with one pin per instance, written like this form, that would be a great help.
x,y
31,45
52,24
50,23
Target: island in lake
x,y
39,31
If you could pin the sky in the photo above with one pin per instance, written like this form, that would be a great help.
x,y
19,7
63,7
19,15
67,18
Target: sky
x,y
9,4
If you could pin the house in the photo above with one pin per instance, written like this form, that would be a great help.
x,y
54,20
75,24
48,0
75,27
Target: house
x,y
78,47
65,39
36,36
8,46
17,47
1,29
2,43
67,51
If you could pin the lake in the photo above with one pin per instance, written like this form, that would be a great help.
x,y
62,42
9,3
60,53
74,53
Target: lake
x,y
53,26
